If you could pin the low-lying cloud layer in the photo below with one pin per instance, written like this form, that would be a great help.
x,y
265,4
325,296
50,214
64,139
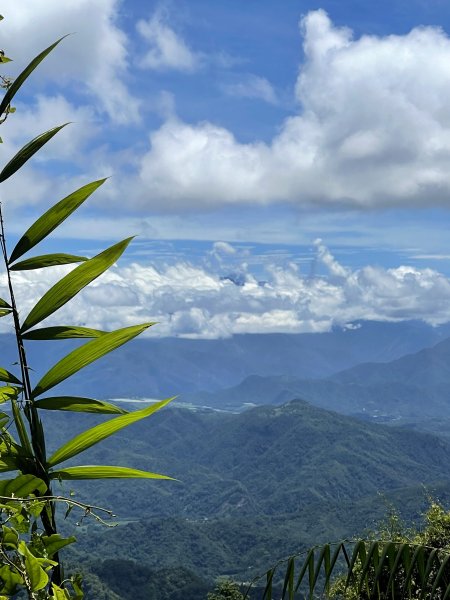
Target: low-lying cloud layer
x,y
222,297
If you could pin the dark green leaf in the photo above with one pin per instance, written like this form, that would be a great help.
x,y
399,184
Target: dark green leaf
x,y
75,404
4,59
4,304
52,218
62,332
72,283
4,312
54,543
27,152
88,353
104,472
46,260
20,426
8,377
96,434
17,83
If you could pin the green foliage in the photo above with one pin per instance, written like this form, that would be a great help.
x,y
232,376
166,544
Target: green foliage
x,y
30,543
397,563
226,590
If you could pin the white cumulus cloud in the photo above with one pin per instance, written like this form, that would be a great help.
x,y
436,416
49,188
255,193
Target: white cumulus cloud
x,y
372,130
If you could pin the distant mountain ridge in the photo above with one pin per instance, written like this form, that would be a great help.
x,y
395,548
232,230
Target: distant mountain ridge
x,y
414,386
158,367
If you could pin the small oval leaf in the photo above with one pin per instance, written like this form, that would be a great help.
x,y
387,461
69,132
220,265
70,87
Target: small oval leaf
x,y
88,353
27,152
46,260
76,404
104,472
65,289
62,332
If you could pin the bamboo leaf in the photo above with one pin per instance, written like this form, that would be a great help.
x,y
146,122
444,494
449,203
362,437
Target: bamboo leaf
x,y
27,152
62,332
75,404
104,472
18,81
96,434
4,304
88,353
4,312
46,260
52,218
65,289
8,377
20,426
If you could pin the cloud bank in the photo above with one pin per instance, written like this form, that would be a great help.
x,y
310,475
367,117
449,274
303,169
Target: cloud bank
x,y
372,130
223,297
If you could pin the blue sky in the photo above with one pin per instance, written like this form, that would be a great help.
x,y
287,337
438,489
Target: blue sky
x,y
285,165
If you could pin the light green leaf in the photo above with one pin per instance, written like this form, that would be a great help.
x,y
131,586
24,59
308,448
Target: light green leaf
x,y
54,543
4,312
104,472
27,152
46,260
88,353
22,486
4,59
96,434
8,392
17,83
10,579
72,283
75,404
36,574
8,377
58,593
52,218
62,332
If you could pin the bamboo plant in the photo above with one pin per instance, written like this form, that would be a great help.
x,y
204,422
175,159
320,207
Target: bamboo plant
x,y
24,453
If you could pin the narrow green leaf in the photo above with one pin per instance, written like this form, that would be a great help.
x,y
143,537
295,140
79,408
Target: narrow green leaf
x,y
22,486
8,377
17,83
62,332
104,472
96,434
4,312
88,353
4,304
4,59
47,260
52,218
20,426
65,289
75,404
27,152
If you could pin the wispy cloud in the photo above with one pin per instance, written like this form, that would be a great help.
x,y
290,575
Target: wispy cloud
x,y
166,49
251,86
